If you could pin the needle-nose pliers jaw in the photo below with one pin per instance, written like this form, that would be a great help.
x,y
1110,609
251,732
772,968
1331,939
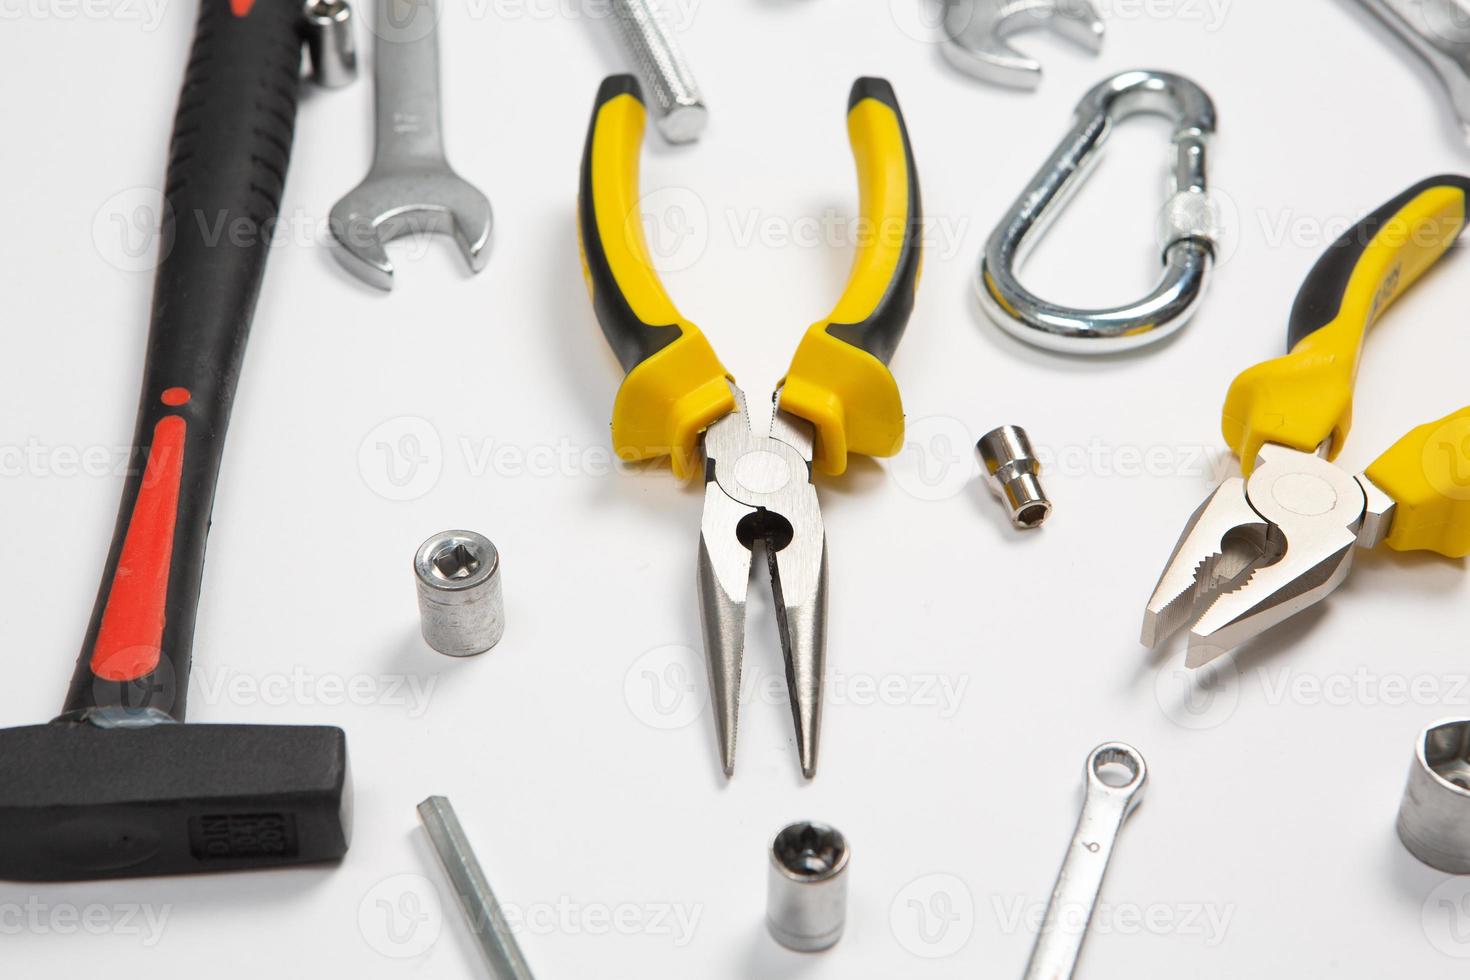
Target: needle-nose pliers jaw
x,y
837,398
758,489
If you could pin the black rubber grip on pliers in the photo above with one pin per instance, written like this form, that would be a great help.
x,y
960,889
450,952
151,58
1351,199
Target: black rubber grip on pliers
x,y
1320,299
227,167
879,334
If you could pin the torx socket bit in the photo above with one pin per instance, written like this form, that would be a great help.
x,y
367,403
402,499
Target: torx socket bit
x,y
806,889
1014,475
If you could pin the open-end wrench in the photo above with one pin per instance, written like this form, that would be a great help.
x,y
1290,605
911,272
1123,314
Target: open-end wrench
x,y
1104,808
411,188
977,35
1440,31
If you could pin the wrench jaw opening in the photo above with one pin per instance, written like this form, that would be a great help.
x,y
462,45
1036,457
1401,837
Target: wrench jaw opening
x,y
371,215
410,189
977,35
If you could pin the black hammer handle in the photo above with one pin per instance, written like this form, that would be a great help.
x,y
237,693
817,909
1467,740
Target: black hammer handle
x,y
227,163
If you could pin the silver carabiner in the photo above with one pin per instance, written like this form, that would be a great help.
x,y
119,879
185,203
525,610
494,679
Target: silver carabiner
x,y
1189,224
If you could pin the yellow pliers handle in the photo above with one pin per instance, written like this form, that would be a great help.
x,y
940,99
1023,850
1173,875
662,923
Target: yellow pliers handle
x,y
1305,399
675,385
839,378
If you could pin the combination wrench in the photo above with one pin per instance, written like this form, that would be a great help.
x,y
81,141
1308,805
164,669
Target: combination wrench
x,y
1105,806
410,189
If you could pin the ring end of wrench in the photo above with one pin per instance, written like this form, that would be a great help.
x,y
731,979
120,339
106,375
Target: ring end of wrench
x,y
1126,758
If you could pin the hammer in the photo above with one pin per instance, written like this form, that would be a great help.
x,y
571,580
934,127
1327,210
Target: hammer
x,y
116,786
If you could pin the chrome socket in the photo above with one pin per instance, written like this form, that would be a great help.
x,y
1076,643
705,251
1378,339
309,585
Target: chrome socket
x,y
330,46
1434,818
1014,475
806,891
461,608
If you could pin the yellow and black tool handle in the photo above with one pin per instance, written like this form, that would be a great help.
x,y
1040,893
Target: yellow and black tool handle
x,y
839,378
675,385
1305,399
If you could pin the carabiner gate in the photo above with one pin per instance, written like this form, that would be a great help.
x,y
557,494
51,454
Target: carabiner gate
x,y
1189,224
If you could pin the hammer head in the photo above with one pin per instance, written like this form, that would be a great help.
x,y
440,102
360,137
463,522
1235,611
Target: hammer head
x,y
82,802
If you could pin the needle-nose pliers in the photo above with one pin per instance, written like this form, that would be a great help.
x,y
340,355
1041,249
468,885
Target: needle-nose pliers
x,y
838,396
1280,538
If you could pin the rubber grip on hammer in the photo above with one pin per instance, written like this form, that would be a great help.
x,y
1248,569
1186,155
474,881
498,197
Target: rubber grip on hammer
x,y
227,166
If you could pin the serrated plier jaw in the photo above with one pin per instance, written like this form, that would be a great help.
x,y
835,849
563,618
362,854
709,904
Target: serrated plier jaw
x,y
1260,550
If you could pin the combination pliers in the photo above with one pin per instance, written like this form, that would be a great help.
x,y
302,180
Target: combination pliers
x,y
1281,537
838,396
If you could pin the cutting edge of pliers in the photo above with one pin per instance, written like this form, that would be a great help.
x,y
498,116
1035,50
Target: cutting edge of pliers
x,y
837,397
1281,537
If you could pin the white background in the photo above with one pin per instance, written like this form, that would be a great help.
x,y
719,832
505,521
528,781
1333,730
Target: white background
x,y
578,753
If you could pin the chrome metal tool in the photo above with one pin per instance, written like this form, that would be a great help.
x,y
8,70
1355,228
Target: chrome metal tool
x,y
660,62
1105,806
1188,252
461,604
1439,30
472,888
806,887
331,44
1434,817
1281,537
410,189
836,399
977,34
1013,474
758,489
